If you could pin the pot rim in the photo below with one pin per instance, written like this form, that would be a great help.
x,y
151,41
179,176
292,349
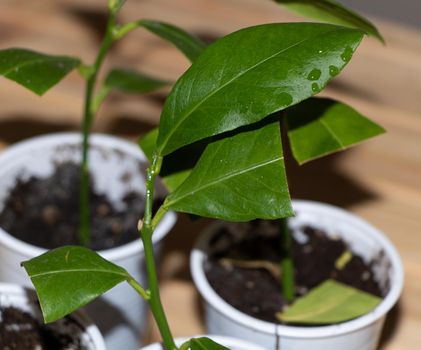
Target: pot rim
x,y
223,340
198,256
61,138
29,296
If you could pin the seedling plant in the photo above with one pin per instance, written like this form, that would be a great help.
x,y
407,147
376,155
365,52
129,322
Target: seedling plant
x,y
218,145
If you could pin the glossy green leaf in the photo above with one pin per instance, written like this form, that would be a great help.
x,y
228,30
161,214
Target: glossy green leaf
x,y
177,166
330,302
331,11
35,71
239,177
133,82
69,277
249,74
319,126
148,143
205,344
188,44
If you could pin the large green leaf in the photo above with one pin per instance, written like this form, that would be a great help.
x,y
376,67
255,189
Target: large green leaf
x,y
319,126
35,71
69,277
331,11
239,177
204,344
132,81
188,44
249,74
177,166
330,302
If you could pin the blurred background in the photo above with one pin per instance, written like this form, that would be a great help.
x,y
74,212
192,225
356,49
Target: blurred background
x,y
379,180
406,12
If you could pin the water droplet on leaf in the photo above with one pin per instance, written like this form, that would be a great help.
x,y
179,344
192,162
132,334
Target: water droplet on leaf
x,y
315,87
314,74
333,71
286,99
347,54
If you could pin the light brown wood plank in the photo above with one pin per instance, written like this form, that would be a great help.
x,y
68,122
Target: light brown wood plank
x,y
379,180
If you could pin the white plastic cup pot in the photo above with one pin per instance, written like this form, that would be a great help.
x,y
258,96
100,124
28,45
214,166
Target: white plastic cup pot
x,y
231,343
359,334
12,295
120,314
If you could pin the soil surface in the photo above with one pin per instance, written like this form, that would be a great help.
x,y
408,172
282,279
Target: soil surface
x,y
21,331
255,290
45,212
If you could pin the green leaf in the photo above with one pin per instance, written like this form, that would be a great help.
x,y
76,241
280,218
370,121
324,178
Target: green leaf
x,y
177,166
331,11
239,177
35,71
330,302
189,45
69,277
132,82
249,74
319,126
205,344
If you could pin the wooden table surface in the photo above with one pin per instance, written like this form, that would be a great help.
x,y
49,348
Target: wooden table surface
x,y
379,180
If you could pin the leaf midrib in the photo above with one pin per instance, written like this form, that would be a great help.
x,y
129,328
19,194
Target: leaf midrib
x,y
340,300
197,105
79,270
222,179
38,60
332,133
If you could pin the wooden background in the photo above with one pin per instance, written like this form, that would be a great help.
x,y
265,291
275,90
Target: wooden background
x,y
379,180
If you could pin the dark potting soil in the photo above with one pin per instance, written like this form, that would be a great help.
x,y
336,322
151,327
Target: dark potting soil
x,y
21,331
45,212
255,290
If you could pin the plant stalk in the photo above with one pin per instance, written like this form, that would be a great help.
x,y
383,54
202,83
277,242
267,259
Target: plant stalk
x,y
146,236
287,264
88,116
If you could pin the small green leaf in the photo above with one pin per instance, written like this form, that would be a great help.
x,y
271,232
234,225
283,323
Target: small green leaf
x,y
330,302
35,71
249,74
133,82
331,11
320,126
205,344
177,166
148,143
239,177
189,45
201,344
69,277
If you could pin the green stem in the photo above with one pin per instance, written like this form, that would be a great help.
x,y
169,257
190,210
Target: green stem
x,y
158,217
287,264
146,235
127,28
145,294
88,117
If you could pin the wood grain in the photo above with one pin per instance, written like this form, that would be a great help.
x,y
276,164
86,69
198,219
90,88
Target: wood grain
x,y
379,180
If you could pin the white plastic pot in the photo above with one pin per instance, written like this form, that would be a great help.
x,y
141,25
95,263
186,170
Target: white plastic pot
x,y
26,300
231,343
120,314
359,334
